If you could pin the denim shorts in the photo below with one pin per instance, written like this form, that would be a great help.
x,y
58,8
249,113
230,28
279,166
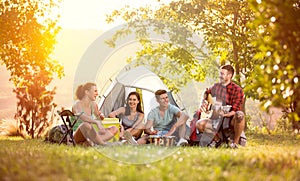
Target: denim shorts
x,y
162,133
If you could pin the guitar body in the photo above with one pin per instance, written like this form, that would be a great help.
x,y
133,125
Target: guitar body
x,y
213,108
214,121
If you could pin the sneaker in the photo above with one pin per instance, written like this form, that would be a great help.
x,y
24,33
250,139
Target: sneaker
x,y
124,141
233,145
212,144
129,138
215,144
182,142
89,142
122,138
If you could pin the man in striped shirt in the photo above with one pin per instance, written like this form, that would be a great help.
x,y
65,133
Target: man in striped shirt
x,y
227,93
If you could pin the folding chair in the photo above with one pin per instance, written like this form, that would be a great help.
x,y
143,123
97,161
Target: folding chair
x,y
69,119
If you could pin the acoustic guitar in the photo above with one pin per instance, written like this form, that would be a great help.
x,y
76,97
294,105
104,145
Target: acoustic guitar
x,y
214,108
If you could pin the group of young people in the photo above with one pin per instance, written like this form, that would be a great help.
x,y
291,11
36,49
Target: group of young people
x,y
164,120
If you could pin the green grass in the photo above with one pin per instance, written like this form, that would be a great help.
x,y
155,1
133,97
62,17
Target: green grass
x,y
266,157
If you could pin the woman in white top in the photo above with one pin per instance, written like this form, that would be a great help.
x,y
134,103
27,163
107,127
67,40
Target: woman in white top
x,y
86,95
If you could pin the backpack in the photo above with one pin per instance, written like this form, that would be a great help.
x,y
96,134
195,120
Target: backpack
x,y
57,133
194,136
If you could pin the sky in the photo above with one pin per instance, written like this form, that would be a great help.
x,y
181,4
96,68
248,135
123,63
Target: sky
x,y
90,14
86,15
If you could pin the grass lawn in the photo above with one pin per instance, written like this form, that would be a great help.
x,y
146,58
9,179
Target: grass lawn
x,y
266,157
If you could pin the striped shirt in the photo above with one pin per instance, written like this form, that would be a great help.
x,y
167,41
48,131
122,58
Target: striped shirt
x,y
232,94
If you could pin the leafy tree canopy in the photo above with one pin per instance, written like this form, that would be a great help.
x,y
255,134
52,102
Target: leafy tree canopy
x,y
27,41
260,38
221,24
277,25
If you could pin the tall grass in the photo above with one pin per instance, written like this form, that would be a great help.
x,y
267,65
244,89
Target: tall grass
x,y
266,157
9,127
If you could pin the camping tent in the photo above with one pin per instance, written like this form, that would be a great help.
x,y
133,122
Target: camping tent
x,y
135,79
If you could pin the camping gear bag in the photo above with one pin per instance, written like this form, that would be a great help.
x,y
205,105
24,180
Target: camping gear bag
x,y
194,136
57,133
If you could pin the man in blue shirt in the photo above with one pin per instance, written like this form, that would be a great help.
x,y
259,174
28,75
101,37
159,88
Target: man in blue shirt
x,y
166,119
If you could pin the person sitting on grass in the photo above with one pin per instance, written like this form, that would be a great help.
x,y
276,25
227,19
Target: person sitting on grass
x,y
228,93
85,134
131,116
165,120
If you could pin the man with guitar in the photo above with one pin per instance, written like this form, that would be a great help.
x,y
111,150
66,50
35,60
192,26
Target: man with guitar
x,y
228,94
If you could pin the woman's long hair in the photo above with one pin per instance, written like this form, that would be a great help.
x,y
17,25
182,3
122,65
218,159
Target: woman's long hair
x,y
138,107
